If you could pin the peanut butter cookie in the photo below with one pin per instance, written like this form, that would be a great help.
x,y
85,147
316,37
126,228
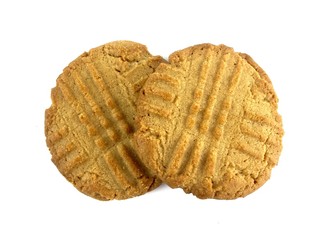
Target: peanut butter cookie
x,y
89,126
208,123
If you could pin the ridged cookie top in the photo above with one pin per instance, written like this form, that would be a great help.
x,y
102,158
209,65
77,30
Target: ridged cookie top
x,y
89,126
208,122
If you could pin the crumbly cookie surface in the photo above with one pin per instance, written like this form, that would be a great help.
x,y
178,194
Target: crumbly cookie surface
x,y
208,123
89,125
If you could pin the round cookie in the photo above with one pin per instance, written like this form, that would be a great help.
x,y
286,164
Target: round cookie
x,y
208,123
89,126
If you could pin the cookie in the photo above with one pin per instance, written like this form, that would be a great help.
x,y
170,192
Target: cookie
x,y
207,122
89,126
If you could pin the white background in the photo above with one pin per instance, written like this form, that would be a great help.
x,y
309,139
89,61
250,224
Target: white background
x,y
39,38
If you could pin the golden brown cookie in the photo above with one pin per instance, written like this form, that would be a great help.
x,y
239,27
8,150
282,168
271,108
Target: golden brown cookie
x,y
89,126
208,123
